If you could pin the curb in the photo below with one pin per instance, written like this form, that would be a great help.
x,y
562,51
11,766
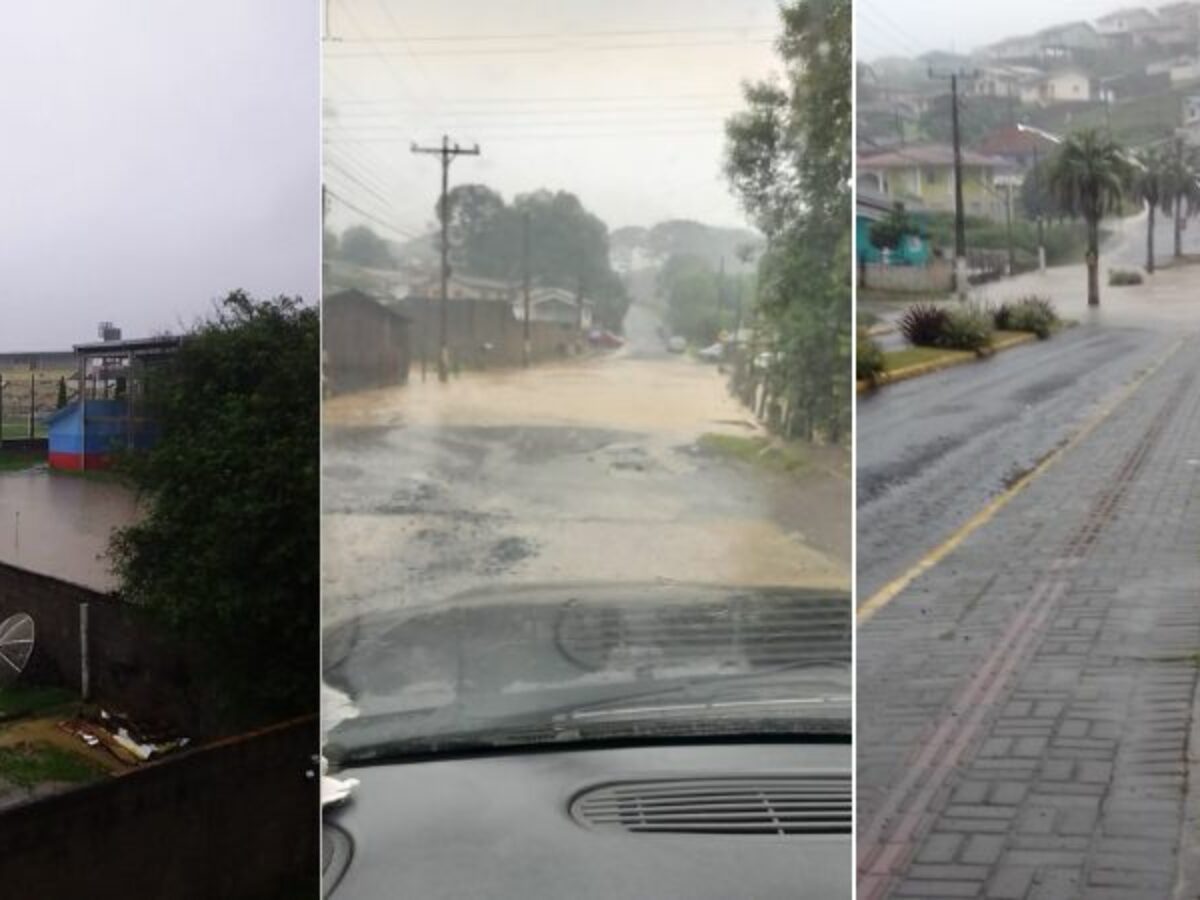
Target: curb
x,y
927,368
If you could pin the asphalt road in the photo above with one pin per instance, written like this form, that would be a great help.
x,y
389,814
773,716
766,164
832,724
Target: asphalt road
x,y
932,451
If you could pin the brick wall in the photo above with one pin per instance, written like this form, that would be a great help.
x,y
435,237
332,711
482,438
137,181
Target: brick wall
x,y
132,666
236,819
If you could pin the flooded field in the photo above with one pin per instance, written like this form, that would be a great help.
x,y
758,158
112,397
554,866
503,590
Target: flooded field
x,y
59,524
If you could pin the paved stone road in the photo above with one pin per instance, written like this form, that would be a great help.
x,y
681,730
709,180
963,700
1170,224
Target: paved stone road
x,y
1024,707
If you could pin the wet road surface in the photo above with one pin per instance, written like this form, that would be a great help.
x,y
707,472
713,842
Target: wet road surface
x,y
59,524
932,451
587,470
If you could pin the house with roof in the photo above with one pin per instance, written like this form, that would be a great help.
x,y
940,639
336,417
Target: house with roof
x,y
557,305
1056,43
873,206
465,287
1069,84
1003,80
924,175
1129,21
1182,16
1020,148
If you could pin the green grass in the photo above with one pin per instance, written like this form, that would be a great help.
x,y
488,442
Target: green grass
x,y
16,462
21,700
14,431
915,356
37,763
778,456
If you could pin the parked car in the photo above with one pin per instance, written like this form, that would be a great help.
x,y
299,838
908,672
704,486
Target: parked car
x,y
676,344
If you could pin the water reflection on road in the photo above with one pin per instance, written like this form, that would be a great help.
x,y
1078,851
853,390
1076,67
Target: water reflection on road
x,y
59,524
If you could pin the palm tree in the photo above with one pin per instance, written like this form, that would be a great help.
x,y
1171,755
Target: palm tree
x,y
1182,167
1087,176
1154,185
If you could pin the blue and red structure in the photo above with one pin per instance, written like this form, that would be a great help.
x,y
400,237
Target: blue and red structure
x,y
87,436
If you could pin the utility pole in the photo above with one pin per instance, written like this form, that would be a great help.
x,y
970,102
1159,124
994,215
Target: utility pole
x,y
447,152
525,280
720,297
32,400
1008,217
960,227
1179,197
1037,193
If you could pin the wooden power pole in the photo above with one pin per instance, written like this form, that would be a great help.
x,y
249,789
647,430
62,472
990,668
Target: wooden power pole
x,y
447,152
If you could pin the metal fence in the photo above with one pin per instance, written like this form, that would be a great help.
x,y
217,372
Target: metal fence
x,y
27,399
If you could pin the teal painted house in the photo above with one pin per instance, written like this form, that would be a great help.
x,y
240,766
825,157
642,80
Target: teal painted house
x,y
873,206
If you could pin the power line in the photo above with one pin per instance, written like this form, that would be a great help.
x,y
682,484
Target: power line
x,y
539,35
407,235
526,51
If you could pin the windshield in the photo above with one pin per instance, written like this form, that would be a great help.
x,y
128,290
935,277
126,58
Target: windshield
x,y
585,444
555,664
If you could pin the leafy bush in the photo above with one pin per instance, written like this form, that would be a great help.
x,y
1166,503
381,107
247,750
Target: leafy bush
x,y
1124,277
869,359
1033,314
968,327
923,324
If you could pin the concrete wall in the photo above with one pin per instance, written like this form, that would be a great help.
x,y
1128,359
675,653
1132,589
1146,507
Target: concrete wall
x,y
472,324
132,666
938,276
237,819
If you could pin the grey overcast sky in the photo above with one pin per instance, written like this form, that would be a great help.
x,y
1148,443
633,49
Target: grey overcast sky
x,y
620,102
156,154
912,27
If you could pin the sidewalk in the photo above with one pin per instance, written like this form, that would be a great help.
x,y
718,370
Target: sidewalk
x,y
1024,706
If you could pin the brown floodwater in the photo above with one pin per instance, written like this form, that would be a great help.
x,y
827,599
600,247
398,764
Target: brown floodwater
x,y
585,470
59,524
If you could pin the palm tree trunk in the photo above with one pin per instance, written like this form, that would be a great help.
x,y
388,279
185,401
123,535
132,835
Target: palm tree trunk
x,y
1150,240
1178,227
1093,261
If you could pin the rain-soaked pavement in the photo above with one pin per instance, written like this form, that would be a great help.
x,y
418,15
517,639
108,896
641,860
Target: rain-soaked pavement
x,y
588,470
59,524
934,450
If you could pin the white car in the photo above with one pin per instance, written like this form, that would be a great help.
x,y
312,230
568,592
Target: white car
x,y
677,344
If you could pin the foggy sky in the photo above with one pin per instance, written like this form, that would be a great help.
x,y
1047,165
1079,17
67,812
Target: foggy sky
x,y
156,154
912,27
635,132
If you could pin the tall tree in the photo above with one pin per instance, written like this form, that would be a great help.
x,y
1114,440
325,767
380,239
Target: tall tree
x,y
1088,176
788,157
226,553
361,245
1152,185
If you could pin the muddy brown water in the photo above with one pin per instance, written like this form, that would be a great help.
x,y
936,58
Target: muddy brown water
x,y
586,470
59,524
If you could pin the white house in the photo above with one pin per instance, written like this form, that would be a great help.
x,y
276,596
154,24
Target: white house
x,y
552,304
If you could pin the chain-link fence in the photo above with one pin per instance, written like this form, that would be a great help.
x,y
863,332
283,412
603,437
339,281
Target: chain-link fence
x,y
29,398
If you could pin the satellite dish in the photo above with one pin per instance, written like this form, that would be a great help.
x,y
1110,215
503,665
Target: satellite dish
x,y
16,646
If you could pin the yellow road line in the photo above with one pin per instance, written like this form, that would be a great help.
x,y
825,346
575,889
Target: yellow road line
x,y
888,592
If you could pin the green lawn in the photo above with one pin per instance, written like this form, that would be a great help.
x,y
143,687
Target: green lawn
x,y
17,462
21,699
780,456
29,764
915,356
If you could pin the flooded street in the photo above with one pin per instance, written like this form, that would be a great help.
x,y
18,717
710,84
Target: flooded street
x,y
587,470
59,524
